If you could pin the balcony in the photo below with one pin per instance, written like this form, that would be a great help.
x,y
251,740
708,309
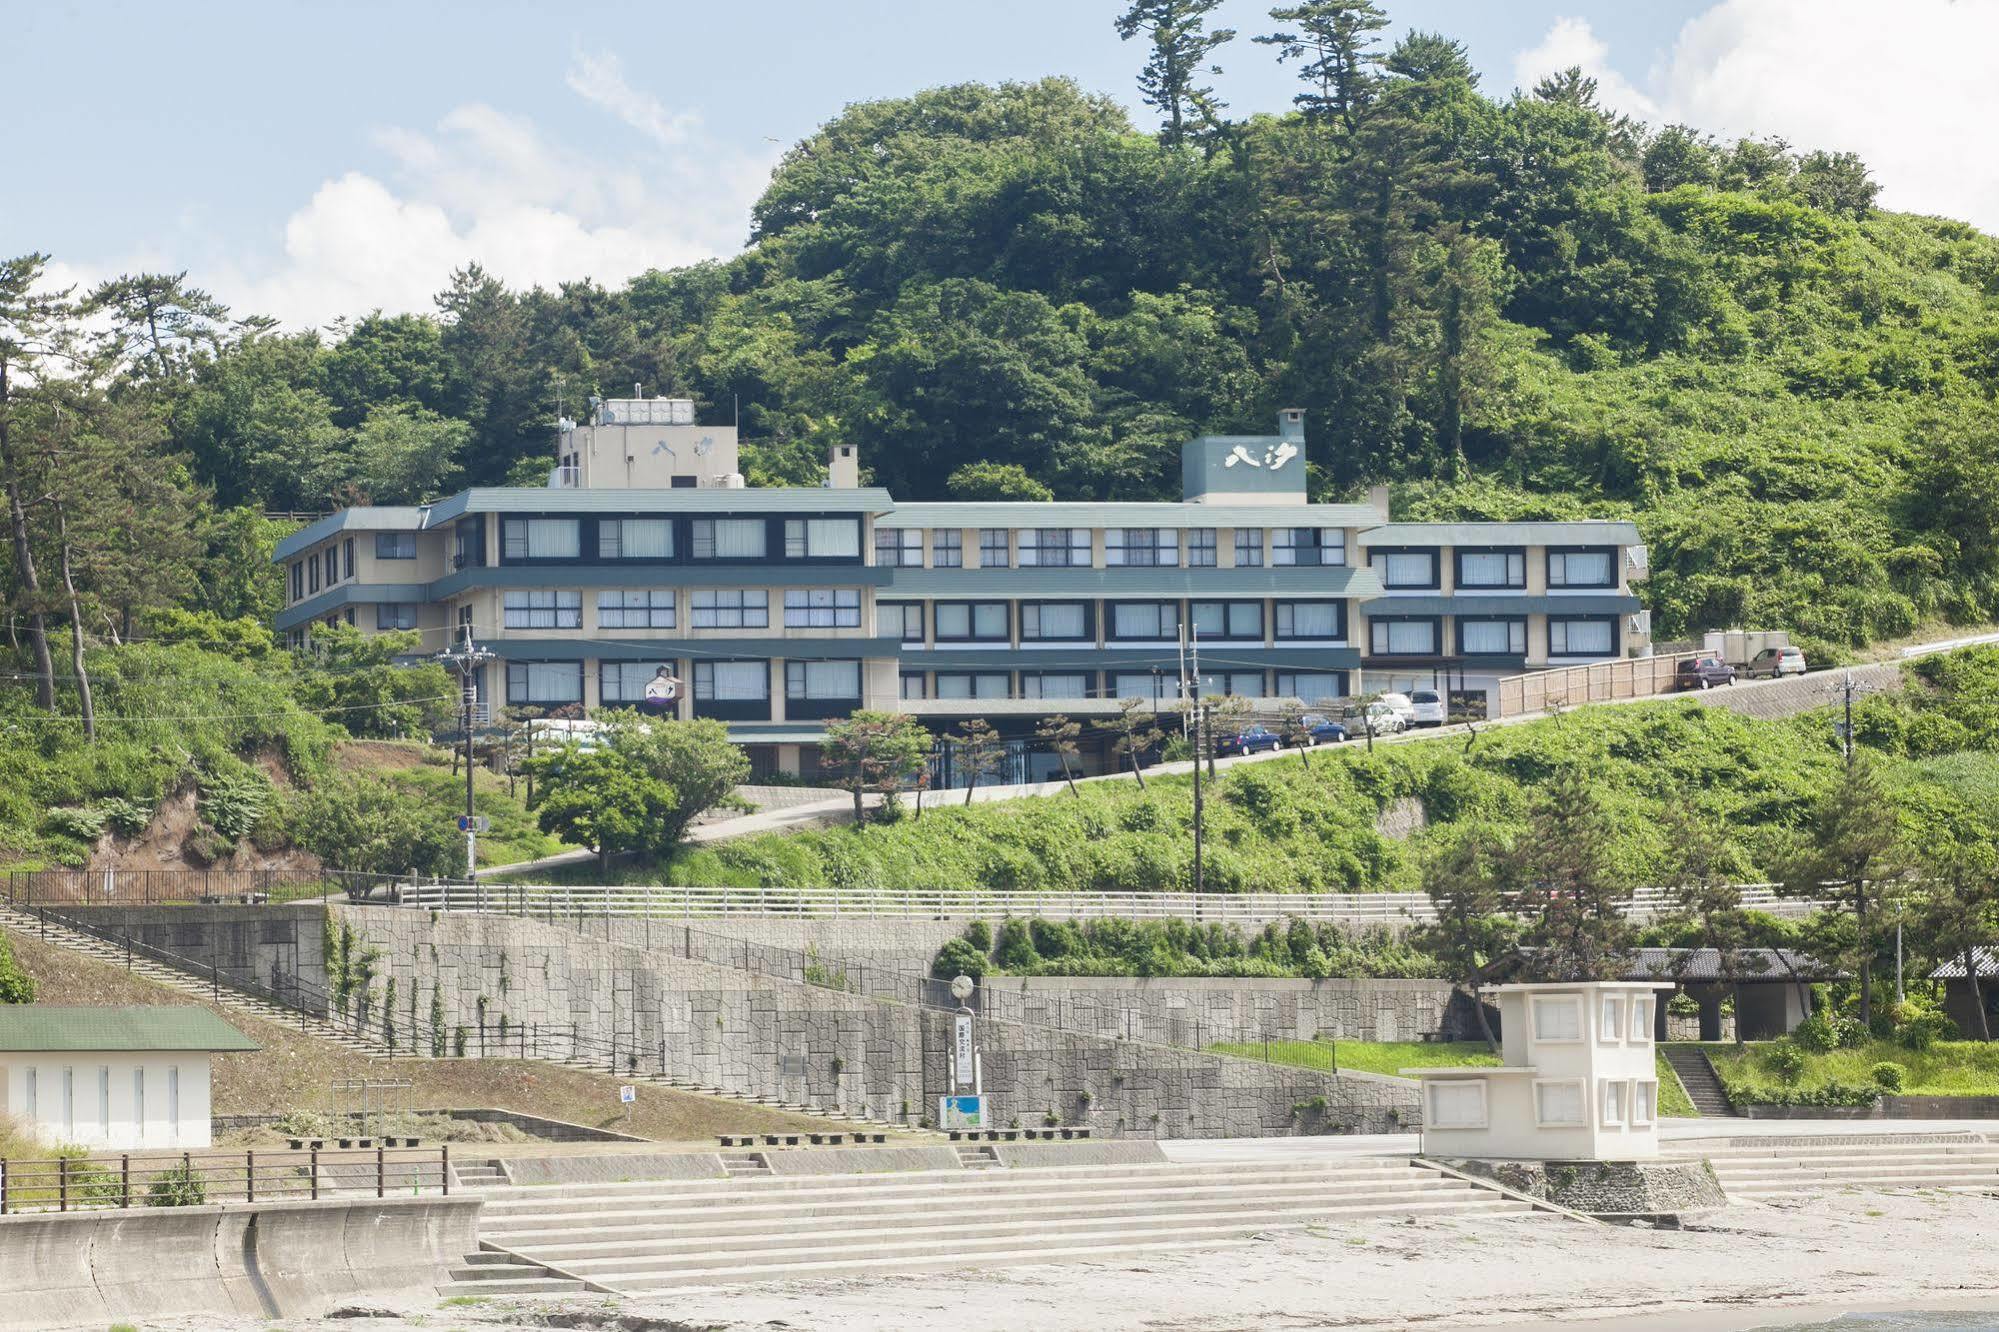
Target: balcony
x,y
565,478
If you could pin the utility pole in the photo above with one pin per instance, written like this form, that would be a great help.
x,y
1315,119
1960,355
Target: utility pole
x,y
1200,711
465,660
1848,733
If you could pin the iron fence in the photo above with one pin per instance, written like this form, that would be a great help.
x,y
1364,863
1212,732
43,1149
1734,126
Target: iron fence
x,y
190,1179
186,887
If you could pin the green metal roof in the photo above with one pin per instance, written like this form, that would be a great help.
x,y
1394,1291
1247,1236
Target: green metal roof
x,y
1158,513
362,518
1585,532
52,1027
1569,603
692,499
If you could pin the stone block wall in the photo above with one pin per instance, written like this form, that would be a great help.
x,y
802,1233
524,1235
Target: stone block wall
x,y
260,944
1198,1011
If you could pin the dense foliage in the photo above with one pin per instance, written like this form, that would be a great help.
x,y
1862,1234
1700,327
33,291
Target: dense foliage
x,y
1111,946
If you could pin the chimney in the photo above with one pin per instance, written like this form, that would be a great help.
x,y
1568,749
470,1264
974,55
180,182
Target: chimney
x,y
1377,499
1291,424
843,468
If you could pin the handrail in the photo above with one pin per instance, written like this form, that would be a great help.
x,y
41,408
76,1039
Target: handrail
x,y
190,1179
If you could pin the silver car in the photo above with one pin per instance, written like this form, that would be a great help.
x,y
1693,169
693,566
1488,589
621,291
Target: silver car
x,y
1772,662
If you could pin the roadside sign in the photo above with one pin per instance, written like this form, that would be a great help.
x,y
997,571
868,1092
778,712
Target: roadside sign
x,y
474,823
961,1112
626,1095
961,1051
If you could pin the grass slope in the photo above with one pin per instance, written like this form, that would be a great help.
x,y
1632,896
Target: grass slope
x,y
1948,1068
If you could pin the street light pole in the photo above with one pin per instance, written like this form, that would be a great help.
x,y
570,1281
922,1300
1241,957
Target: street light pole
x,y
1200,711
465,660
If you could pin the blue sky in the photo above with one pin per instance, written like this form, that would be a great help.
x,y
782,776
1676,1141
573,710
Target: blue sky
x,y
311,158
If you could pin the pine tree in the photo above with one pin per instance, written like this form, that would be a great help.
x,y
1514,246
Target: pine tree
x,y
1181,46
1570,887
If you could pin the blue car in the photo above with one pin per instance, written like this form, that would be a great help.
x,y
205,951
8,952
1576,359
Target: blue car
x,y
1324,730
1249,740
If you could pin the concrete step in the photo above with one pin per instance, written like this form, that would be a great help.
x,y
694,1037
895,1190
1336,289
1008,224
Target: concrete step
x,y
1839,1179
539,1285
1745,1169
734,1276
1966,1151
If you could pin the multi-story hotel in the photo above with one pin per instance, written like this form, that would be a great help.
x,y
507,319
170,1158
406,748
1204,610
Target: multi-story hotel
x,y
779,608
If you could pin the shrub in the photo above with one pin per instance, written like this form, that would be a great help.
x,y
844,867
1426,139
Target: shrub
x,y
83,825
1823,1032
1683,1006
1786,1060
233,802
958,958
127,818
178,1186
1918,1027
1015,950
1832,1094
1888,1076
980,936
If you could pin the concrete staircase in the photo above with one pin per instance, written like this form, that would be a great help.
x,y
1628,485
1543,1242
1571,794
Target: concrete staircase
x,y
493,1271
1697,1075
1765,1168
673,1234
478,1175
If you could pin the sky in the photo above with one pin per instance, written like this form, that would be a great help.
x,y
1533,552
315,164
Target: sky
x,y
313,160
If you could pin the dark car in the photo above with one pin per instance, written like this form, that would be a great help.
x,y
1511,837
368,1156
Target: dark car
x,y
1323,730
1249,740
1704,673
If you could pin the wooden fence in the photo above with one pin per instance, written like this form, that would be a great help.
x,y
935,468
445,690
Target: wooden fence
x,y
1598,682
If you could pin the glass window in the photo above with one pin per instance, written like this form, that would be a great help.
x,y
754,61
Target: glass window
x,y
1641,1018
1152,686
1402,638
1048,685
1613,1104
1558,1018
332,565
1309,687
1492,638
971,621
395,545
822,538
1310,619
624,681
544,682
900,620
992,548
913,685
636,608
543,609
1610,1021
298,580
1579,568
1200,547
540,539
1405,568
634,539
1492,568
1055,548
729,538
1249,548
312,574
947,548
823,608
395,615
731,608
1145,621
1239,684
139,1100
968,684
173,1102
732,681
839,680
1643,1095
1457,1104
1043,621
1149,547
1558,1103
1227,619
899,547
1581,638
1309,545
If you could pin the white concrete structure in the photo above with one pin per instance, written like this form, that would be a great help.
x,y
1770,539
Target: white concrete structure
x,y
1577,1081
112,1078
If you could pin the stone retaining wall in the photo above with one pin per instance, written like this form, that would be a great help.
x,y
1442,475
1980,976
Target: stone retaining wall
x,y
261,944
1198,1011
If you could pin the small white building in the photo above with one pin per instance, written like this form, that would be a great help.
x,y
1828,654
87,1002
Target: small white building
x,y
112,1078
1577,1081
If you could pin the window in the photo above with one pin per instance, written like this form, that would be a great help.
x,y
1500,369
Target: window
x,y
1456,1104
1402,638
139,1100
1049,685
901,620
543,610
395,615
823,608
298,580
1558,1018
1237,684
965,684
1200,548
395,545
540,539
1310,687
1641,1018
69,1102
1322,620
468,541
1582,638
636,608
822,539
970,622
1405,568
347,556
992,548
731,608
912,685
1580,568
624,681
837,680
1148,547
1249,548
1610,1020
1054,621
1559,1104
32,1091
899,547
1492,568
634,539
1613,1105
1492,638
332,566
544,682
947,548
312,574
732,681
1644,1095
729,538
1152,686
1145,621
1055,548
1309,545
1227,619
173,1102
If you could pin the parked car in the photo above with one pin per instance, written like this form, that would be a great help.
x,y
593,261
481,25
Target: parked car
x,y
1776,661
1323,730
1703,673
1401,705
1257,739
1379,717
1427,708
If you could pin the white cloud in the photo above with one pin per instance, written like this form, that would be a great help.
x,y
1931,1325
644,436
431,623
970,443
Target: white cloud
x,y
1913,96
489,187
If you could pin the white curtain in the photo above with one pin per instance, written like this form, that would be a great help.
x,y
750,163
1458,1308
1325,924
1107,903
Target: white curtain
x,y
739,539
1058,621
1055,686
1406,637
1314,619
1404,569
1580,568
1144,619
1486,569
739,680
1575,638
645,539
830,537
1487,637
829,679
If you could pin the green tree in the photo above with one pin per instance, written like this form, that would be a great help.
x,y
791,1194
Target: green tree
x,y
16,985
1133,732
1060,736
1851,850
353,823
405,455
1335,39
1006,482
1958,913
979,751
1181,54
696,758
602,798
883,752
356,680
1704,870
1470,878
1571,887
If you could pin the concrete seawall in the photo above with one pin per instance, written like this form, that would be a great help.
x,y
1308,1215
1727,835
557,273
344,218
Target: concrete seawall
x,y
258,1260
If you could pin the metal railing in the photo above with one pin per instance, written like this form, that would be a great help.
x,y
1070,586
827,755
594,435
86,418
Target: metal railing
x,y
160,887
191,1179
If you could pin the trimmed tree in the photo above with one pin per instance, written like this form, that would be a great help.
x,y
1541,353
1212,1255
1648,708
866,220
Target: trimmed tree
x,y
1059,736
875,751
1852,846
1470,880
981,751
1133,731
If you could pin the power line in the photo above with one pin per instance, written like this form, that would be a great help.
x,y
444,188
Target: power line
x,y
235,716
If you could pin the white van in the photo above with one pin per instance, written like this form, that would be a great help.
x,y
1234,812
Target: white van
x,y
1427,708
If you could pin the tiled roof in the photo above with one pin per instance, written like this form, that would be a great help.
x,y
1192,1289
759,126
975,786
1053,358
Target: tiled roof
x,y
51,1027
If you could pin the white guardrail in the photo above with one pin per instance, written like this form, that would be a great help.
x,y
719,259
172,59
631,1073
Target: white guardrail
x,y
527,899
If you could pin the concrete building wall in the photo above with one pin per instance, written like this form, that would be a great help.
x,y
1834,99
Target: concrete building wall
x,y
111,1100
266,945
